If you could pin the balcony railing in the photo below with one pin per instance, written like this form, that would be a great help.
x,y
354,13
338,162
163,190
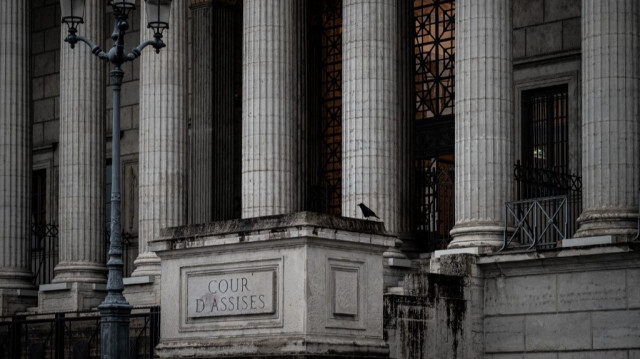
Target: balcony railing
x,y
547,207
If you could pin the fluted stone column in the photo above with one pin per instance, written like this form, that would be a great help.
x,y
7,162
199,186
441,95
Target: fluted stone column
x,y
15,271
371,111
82,126
163,147
484,122
273,107
211,143
610,92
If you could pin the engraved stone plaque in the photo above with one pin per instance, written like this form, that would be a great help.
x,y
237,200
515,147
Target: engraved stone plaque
x,y
219,294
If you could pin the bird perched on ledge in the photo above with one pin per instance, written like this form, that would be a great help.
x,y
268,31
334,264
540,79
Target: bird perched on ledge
x,y
367,212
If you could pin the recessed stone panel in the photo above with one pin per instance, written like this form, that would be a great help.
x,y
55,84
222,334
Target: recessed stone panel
x,y
345,292
218,294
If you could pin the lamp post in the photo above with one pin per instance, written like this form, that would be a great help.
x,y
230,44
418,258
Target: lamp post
x,y
115,311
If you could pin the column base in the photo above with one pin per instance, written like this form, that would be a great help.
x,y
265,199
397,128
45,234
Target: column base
x,y
74,272
477,234
70,296
622,224
142,290
147,264
17,300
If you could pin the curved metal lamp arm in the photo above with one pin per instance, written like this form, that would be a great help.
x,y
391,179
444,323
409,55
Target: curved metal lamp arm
x,y
72,39
157,44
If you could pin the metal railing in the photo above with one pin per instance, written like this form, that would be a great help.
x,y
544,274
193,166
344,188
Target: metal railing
x,y
435,204
538,222
73,334
44,252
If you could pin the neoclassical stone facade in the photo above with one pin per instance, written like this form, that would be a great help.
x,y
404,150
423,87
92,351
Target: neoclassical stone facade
x,y
455,121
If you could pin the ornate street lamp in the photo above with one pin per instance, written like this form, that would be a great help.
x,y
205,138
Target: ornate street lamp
x,y
115,311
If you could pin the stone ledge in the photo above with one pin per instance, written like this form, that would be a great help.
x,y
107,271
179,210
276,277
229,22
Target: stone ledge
x,y
55,287
145,279
260,229
587,241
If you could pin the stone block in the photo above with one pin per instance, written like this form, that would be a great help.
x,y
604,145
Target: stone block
x,y
52,39
594,355
130,94
37,88
592,291
561,9
43,64
520,295
43,18
519,43
43,110
551,332
504,334
51,131
52,85
37,42
37,133
572,34
527,12
274,292
540,356
616,330
544,39
503,356
634,354
633,288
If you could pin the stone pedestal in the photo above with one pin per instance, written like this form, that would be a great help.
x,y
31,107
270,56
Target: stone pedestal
x,y
298,285
610,131
70,296
484,122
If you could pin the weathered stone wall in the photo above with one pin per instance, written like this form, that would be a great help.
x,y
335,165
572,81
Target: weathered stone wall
x,y
428,320
561,305
545,27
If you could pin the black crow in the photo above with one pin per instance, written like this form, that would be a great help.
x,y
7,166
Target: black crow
x,y
367,212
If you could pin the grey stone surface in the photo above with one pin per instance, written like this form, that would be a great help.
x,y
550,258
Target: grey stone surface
x,y
616,329
592,291
571,34
484,122
544,39
527,12
519,43
561,9
614,354
554,332
504,334
633,288
520,295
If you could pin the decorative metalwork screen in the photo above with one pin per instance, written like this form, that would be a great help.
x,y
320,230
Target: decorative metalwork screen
x,y
331,107
435,58
434,55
